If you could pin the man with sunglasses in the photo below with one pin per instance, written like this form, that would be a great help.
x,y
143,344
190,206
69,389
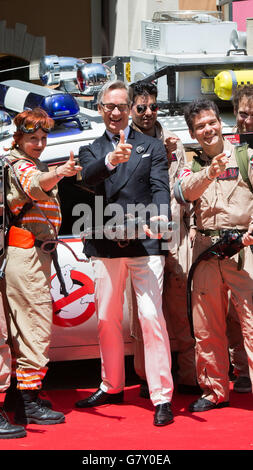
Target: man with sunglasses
x,y
129,172
144,119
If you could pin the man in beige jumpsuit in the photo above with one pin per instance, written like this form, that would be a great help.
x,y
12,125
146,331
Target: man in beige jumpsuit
x,y
243,110
177,264
222,201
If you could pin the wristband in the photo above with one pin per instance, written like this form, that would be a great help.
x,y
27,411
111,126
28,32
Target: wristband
x,y
57,176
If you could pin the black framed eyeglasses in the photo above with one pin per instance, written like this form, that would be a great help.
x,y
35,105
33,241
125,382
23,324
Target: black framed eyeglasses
x,y
142,108
111,106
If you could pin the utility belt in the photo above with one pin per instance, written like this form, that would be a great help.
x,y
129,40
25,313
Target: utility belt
x,y
216,234
220,233
23,238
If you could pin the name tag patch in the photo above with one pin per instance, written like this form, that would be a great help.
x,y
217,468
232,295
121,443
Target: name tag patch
x,y
229,174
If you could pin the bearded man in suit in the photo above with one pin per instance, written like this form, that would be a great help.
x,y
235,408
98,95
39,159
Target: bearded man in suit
x,y
129,175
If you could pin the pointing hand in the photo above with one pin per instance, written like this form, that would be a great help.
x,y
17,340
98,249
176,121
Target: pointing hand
x,y
122,152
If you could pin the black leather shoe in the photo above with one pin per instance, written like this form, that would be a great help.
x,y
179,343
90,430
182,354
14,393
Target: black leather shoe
x,y
10,431
100,398
202,404
163,415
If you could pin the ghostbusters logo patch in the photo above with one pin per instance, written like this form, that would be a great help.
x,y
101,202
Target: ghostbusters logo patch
x,y
229,174
185,172
25,166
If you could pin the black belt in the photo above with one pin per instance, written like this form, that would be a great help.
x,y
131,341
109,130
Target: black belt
x,y
220,232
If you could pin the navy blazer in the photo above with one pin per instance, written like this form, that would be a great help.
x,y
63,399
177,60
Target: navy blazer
x,y
142,180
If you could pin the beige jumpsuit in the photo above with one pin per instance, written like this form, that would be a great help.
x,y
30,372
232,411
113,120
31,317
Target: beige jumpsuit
x,y
28,273
225,203
177,264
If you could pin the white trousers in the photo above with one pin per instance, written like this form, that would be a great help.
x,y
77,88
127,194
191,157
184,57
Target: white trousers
x,y
147,279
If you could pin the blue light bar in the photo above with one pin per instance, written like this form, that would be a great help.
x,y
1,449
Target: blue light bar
x,y
17,96
60,106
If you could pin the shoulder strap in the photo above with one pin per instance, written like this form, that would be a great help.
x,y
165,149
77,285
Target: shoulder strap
x,y
10,165
11,218
20,159
197,164
241,155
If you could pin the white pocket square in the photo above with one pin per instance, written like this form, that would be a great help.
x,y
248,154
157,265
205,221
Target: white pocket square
x,y
145,155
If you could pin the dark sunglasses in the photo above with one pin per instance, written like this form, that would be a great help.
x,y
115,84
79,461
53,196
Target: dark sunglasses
x,y
31,128
142,108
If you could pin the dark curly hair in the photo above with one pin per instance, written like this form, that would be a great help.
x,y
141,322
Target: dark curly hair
x,y
194,108
142,88
240,92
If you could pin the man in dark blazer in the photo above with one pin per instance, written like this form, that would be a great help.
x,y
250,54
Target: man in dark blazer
x,y
128,172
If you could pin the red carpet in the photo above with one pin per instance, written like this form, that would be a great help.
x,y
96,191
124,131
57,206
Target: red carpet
x,y
129,426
